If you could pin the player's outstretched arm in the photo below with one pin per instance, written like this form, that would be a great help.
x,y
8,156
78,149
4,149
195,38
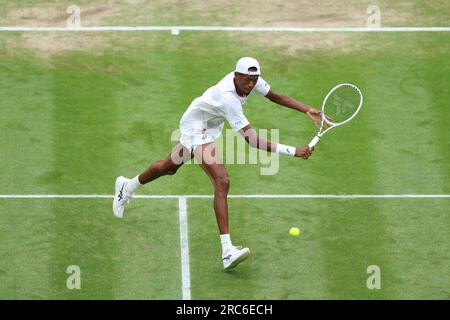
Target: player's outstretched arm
x,y
287,101
258,142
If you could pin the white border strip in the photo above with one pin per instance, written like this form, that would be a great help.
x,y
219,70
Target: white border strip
x,y
223,28
184,245
192,196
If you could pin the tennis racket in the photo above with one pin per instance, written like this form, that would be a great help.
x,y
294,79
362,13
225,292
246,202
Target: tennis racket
x,y
340,106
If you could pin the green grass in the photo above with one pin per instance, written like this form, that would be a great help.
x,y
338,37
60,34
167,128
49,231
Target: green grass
x,y
339,240
40,238
71,122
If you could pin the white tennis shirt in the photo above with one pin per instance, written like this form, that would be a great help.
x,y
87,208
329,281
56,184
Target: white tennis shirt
x,y
206,114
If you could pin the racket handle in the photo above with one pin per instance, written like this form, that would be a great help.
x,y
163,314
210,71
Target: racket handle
x,y
314,142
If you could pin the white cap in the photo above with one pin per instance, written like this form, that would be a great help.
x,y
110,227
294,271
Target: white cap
x,y
245,63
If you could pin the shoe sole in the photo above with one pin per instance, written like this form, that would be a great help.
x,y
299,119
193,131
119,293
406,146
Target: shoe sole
x,y
241,258
118,184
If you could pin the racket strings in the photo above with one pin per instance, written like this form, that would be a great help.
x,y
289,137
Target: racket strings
x,y
342,104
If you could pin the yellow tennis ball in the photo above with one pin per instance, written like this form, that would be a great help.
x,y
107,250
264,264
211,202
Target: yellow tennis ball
x,y
295,232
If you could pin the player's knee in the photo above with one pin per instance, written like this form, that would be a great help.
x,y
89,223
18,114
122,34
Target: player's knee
x,y
170,168
222,183
171,171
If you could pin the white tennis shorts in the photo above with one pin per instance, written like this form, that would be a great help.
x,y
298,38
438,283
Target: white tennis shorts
x,y
192,141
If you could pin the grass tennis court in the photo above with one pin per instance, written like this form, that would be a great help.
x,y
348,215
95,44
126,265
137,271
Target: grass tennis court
x,y
79,109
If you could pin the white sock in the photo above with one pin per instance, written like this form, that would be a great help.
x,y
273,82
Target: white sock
x,y
133,185
225,240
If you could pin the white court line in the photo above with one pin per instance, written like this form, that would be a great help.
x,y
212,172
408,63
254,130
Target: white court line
x,y
193,196
176,29
184,245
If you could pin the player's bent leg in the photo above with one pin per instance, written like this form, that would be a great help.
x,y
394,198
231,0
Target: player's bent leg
x,y
125,188
168,166
212,164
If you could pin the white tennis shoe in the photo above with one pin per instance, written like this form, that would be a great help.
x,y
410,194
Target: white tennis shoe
x,y
234,256
121,196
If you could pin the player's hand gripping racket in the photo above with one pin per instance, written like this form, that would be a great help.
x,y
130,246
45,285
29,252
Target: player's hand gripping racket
x,y
340,106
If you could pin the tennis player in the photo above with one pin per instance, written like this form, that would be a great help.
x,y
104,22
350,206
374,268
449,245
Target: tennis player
x,y
200,126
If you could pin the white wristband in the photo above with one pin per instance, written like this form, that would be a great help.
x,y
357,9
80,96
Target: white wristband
x,y
283,149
